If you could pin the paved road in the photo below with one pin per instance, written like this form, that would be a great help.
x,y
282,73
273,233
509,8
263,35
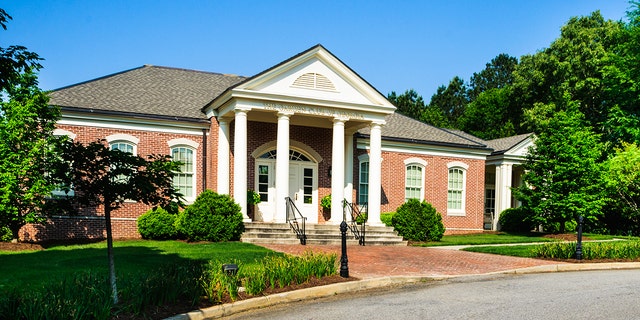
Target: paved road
x,y
570,295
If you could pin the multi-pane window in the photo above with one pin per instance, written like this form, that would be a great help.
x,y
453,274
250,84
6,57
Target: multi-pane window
x,y
122,146
183,181
413,182
263,182
455,198
363,186
126,147
308,185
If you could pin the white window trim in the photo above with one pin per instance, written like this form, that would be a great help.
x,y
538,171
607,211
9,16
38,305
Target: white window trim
x,y
422,164
124,138
464,167
361,159
193,146
59,192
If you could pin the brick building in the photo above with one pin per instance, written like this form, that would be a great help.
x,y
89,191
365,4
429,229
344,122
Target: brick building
x,y
303,129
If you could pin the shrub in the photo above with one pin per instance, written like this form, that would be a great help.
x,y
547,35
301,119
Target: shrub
x,y
325,202
212,217
5,234
418,221
157,224
386,218
516,220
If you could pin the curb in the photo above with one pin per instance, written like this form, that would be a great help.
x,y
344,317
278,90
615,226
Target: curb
x,y
228,309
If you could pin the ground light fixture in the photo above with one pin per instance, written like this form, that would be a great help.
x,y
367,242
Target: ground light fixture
x,y
230,269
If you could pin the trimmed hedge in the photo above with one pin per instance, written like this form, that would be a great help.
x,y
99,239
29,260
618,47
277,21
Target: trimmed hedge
x,y
157,224
516,220
212,217
418,221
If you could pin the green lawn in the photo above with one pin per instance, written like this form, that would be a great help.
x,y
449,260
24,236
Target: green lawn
x,y
486,238
524,251
34,268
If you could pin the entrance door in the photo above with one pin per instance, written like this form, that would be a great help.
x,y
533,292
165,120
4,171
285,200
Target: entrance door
x,y
303,189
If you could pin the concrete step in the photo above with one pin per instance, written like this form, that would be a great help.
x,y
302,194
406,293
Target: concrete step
x,y
318,234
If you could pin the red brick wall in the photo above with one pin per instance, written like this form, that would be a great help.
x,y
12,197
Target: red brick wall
x,y
90,224
435,187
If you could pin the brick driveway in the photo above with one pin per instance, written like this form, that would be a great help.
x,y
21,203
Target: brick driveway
x,y
379,261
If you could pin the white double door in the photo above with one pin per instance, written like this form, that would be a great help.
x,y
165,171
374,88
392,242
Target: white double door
x,y
303,190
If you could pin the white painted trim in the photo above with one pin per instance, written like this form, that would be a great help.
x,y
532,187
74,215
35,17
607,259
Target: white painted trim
x,y
293,144
183,142
122,137
62,132
413,160
430,150
454,164
133,124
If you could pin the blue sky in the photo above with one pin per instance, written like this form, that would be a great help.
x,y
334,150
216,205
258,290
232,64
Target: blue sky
x,y
394,45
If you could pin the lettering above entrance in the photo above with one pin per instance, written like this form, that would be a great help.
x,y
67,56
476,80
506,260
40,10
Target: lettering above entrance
x,y
317,111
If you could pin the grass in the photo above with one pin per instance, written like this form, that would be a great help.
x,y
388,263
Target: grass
x,y
524,251
486,238
59,262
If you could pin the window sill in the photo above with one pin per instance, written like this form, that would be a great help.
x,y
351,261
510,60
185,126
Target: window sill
x,y
456,213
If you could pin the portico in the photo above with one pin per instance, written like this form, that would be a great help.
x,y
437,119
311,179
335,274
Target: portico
x,y
310,98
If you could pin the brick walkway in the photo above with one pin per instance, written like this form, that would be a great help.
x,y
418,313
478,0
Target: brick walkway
x,y
379,261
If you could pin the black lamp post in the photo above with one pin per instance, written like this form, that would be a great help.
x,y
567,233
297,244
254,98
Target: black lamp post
x,y
579,244
344,261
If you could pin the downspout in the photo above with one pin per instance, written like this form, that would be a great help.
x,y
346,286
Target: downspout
x,y
204,159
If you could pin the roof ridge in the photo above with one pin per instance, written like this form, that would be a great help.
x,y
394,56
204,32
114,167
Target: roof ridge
x,y
100,78
192,70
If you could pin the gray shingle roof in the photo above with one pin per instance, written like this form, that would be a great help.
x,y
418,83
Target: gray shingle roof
x,y
150,90
402,127
503,144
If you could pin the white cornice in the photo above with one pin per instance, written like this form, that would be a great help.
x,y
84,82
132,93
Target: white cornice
x,y
424,149
128,123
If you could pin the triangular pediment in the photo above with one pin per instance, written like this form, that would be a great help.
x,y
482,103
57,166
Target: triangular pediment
x,y
521,149
312,78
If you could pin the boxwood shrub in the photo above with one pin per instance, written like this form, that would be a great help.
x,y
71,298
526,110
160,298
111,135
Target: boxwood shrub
x,y
418,221
211,217
516,220
157,224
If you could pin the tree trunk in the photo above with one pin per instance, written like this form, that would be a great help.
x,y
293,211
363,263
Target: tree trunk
x,y
112,267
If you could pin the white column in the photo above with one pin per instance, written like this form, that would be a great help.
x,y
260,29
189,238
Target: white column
x,y
504,174
282,166
224,173
348,170
337,170
240,162
498,198
375,172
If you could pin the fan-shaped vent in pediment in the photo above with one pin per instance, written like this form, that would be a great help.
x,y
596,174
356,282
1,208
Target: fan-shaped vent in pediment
x,y
314,81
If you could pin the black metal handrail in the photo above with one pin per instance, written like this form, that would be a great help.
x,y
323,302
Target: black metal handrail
x,y
358,215
292,219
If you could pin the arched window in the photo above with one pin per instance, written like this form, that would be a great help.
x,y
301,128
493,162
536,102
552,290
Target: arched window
x,y
414,179
456,189
184,181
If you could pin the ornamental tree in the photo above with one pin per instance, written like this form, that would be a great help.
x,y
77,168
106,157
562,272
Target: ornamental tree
x,y
106,178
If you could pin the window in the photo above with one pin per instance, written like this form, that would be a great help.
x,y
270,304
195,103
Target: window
x,y
63,190
363,186
126,147
184,181
414,179
263,182
122,146
413,183
456,188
